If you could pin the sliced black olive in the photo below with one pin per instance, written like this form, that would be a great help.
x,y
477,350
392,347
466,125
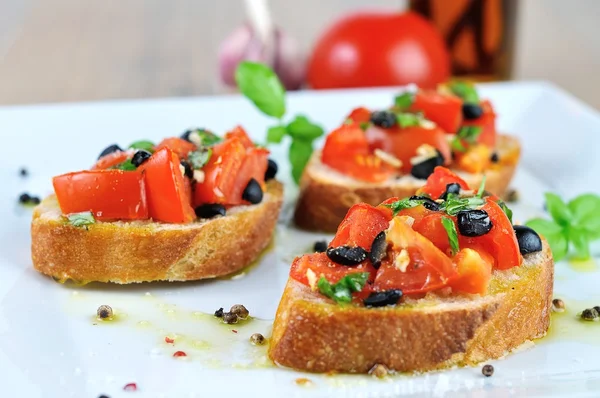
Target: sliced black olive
x,y
425,168
473,222
529,240
110,149
210,210
346,255
320,246
189,172
494,158
253,192
381,299
428,203
385,119
140,157
378,249
271,170
471,111
451,188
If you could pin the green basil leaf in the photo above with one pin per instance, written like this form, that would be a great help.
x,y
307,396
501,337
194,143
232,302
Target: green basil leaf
x,y
455,204
558,209
457,145
275,134
404,101
299,155
465,90
81,219
126,166
199,157
554,234
581,243
402,204
469,133
341,292
481,189
325,287
304,129
207,138
408,119
506,210
364,125
261,85
143,144
585,210
452,234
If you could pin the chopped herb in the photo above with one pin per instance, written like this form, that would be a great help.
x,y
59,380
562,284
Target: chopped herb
x,y
208,138
481,189
409,119
454,204
275,134
126,165
467,134
198,158
406,203
365,125
81,219
465,90
452,234
457,145
143,144
575,224
506,210
341,291
404,101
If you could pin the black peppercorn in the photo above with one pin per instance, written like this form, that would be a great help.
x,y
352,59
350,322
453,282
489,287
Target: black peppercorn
x,y
487,370
219,313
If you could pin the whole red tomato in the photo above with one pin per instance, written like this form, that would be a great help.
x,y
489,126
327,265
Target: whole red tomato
x,y
379,49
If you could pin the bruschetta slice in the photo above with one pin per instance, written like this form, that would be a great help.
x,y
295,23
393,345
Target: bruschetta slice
x,y
416,284
381,154
192,207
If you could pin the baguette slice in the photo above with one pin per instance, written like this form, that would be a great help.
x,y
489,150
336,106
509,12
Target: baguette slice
x,y
326,195
312,333
144,251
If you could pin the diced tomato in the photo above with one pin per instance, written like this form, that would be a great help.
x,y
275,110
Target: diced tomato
x,y
221,174
254,166
475,159
487,122
108,194
429,224
403,142
500,242
360,226
474,270
443,109
346,149
436,182
167,190
360,115
112,159
417,266
239,132
178,145
320,264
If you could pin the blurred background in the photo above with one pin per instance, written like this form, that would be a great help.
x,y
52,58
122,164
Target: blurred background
x,y
72,50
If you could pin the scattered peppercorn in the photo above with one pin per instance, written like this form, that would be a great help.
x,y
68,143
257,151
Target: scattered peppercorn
x,y
23,172
34,200
130,387
379,371
597,308
589,314
26,199
230,318
320,246
104,312
257,339
494,158
512,196
219,313
103,396
240,311
487,370
177,354
558,305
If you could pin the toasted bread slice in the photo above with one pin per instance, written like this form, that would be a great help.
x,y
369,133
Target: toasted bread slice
x,y
326,195
143,251
313,333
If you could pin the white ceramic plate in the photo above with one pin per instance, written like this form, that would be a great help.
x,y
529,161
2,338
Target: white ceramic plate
x,y
51,345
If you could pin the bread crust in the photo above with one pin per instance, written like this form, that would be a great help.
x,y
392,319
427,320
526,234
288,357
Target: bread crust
x,y
324,201
312,333
129,252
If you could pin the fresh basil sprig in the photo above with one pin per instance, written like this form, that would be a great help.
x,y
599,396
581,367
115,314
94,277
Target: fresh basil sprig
x,y
261,85
574,224
341,291
402,204
82,219
143,144
464,90
467,133
450,228
404,101
125,165
409,119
